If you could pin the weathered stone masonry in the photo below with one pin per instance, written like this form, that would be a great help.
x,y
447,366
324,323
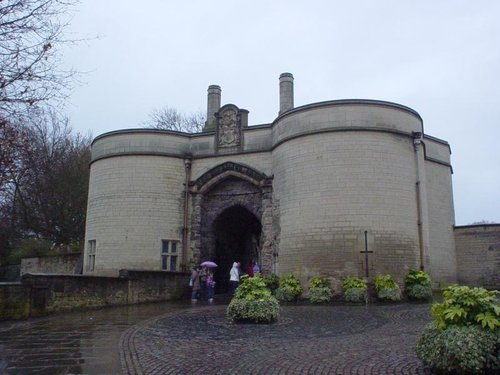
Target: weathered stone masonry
x,y
298,194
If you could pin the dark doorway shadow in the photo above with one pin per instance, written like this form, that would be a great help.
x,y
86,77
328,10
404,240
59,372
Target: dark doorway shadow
x,y
237,235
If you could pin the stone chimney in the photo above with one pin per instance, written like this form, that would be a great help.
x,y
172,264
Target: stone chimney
x,y
213,106
286,92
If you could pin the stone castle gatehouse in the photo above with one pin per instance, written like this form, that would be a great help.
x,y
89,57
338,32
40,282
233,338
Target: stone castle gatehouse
x,y
306,194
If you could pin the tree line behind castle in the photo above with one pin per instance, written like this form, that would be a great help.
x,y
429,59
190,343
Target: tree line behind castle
x,y
464,336
44,179
43,162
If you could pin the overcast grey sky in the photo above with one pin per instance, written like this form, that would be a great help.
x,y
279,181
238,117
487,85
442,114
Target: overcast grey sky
x,y
441,58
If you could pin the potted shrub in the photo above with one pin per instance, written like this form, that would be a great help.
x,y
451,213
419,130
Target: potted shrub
x,y
418,285
387,288
320,290
289,288
355,289
464,337
253,302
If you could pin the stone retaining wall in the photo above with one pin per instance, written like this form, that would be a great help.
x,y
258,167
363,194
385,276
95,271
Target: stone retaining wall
x,y
60,264
41,294
478,255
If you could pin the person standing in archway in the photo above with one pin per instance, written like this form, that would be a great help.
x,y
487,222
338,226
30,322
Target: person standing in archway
x,y
234,278
256,268
210,286
203,283
250,269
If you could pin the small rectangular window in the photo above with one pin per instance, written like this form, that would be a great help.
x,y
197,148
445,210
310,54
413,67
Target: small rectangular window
x,y
169,255
173,263
91,255
164,246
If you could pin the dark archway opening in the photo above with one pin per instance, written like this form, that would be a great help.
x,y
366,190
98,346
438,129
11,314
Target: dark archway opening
x,y
237,236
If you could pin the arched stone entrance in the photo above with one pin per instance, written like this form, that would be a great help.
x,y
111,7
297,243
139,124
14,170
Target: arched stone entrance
x,y
232,219
237,239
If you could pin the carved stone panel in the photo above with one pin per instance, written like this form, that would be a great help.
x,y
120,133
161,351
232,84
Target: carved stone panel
x,y
228,128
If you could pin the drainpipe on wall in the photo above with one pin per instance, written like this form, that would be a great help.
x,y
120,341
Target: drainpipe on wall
x,y
187,169
422,222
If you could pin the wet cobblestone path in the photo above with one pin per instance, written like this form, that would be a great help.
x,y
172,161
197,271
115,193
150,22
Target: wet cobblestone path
x,y
184,339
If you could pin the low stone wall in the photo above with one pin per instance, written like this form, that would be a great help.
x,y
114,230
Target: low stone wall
x,y
60,264
41,294
478,255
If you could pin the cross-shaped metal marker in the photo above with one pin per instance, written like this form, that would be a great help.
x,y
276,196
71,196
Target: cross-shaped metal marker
x,y
366,252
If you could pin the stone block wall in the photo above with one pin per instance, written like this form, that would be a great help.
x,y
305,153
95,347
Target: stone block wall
x,y
134,203
478,255
332,187
441,252
41,294
60,264
339,168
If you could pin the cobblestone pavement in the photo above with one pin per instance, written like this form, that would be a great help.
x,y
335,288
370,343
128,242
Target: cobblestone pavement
x,y
183,339
72,343
306,340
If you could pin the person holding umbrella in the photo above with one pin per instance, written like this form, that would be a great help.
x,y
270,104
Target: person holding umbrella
x,y
203,282
208,283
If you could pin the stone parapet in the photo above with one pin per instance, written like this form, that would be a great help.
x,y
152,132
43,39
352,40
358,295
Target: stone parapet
x,y
41,294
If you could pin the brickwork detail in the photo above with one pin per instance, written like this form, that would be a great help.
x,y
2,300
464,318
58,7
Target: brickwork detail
x,y
478,255
315,180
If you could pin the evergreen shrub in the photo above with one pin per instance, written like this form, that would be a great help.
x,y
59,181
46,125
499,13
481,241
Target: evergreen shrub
x,y
459,349
465,336
320,295
464,306
253,302
387,288
289,288
355,289
320,290
272,282
418,285
419,292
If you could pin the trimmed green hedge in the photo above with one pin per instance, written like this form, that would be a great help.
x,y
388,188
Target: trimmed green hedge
x,y
265,310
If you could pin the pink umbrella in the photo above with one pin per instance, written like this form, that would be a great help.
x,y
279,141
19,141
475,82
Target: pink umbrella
x,y
209,264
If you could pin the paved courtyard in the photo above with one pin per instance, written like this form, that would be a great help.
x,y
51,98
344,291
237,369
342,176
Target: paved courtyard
x,y
180,338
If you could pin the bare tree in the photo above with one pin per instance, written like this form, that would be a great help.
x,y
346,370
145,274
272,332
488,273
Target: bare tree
x,y
54,192
31,34
50,196
13,139
168,118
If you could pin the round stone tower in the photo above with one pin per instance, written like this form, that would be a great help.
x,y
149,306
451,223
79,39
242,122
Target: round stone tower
x,y
337,188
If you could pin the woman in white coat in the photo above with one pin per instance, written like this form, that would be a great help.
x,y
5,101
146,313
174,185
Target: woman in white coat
x,y
234,277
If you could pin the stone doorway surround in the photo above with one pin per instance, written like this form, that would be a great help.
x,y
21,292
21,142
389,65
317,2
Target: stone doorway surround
x,y
231,186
